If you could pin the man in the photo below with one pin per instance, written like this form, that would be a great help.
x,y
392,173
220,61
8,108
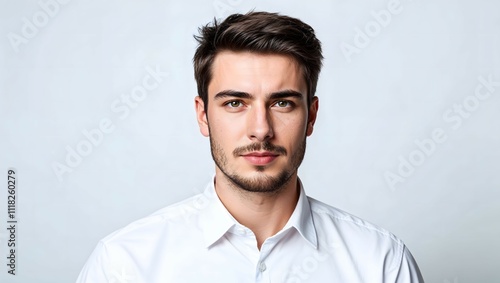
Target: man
x,y
257,75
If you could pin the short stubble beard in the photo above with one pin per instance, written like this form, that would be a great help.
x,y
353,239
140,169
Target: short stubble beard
x,y
265,184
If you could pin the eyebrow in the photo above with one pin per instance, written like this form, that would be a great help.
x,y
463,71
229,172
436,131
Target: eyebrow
x,y
285,94
232,93
245,95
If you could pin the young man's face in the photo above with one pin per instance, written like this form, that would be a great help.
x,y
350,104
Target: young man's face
x,y
257,119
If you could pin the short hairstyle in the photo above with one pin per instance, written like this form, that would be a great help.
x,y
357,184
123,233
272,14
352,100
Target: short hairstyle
x,y
259,32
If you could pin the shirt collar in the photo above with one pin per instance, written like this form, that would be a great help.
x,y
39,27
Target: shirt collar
x,y
301,219
216,220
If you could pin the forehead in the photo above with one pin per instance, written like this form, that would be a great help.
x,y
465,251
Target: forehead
x,y
255,73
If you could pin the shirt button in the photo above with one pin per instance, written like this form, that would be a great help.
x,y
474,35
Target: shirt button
x,y
262,267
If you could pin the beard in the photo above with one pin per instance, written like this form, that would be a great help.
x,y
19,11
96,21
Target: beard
x,y
263,183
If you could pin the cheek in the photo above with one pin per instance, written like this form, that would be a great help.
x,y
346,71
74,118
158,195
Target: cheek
x,y
292,135
291,126
225,130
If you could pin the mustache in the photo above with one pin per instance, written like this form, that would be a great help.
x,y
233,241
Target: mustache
x,y
259,146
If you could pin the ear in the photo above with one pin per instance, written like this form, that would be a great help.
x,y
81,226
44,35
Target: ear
x,y
201,116
313,113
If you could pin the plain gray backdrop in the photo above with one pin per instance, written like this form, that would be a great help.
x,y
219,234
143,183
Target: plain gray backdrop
x,y
407,136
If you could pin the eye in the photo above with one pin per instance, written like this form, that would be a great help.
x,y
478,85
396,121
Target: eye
x,y
234,103
283,103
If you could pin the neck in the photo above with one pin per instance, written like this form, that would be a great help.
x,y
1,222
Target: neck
x,y
263,213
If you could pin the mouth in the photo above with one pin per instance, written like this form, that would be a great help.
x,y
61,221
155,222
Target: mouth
x,y
260,158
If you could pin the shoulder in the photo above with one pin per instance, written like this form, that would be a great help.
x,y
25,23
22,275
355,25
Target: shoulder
x,y
374,250
170,217
142,238
335,220
350,235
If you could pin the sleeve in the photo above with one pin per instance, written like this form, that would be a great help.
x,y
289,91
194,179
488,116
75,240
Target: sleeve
x,y
94,270
408,271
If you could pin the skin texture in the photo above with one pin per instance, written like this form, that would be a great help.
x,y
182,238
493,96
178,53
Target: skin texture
x,y
257,120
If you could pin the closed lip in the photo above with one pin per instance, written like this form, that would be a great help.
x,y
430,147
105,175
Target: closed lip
x,y
261,158
261,154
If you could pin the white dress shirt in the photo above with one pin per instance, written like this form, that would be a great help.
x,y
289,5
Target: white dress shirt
x,y
197,240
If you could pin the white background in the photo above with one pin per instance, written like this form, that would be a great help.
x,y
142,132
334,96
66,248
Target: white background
x,y
409,70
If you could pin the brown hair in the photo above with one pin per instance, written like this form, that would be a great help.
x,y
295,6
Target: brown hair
x,y
259,32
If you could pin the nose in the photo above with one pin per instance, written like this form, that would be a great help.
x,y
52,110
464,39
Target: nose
x,y
259,124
